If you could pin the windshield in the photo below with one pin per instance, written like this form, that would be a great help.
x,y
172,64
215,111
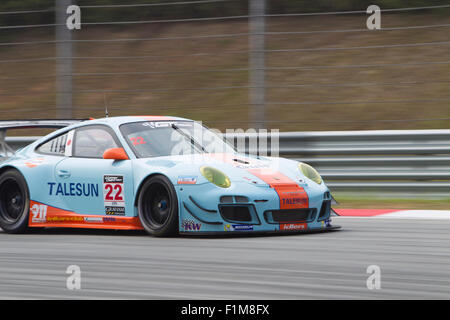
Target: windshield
x,y
165,138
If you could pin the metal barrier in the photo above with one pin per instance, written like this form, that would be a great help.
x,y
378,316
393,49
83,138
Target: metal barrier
x,y
387,160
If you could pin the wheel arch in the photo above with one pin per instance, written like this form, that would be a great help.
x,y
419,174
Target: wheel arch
x,y
148,177
22,224
9,167
170,225
12,167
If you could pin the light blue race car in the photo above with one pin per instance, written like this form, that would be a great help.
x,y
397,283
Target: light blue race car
x,y
165,175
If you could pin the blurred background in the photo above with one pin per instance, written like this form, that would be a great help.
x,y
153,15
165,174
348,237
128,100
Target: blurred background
x,y
292,65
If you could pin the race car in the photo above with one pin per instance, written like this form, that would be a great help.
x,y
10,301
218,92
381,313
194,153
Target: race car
x,y
165,175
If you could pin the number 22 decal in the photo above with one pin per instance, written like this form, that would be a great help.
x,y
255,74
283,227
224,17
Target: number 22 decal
x,y
118,192
137,140
114,194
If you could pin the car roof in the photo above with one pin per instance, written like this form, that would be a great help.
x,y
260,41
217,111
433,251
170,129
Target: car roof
x,y
117,121
127,119
111,121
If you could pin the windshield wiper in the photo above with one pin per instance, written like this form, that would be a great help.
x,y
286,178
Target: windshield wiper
x,y
197,145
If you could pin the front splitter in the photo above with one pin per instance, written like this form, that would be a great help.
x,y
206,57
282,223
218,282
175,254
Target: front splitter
x,y
268,232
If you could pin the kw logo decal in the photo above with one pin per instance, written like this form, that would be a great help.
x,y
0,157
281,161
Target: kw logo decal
x,y
190,225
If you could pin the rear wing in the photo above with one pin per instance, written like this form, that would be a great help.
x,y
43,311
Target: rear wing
x,y
6,150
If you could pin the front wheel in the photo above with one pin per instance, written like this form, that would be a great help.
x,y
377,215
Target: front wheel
x,y
158,207
14,202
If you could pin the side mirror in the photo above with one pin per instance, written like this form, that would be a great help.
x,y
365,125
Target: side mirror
x,y
115,154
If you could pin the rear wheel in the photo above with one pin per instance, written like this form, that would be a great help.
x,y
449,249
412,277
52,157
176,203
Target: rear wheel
x,y
158,207
14,202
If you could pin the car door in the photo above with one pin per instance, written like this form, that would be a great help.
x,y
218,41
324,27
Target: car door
x,y
90,184
41,180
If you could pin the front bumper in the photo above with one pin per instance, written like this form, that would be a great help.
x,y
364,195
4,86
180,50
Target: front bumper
x,y
226,233
246,208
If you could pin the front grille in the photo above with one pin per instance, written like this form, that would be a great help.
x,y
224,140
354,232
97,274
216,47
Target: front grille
x,y
236,213
240,199
239,213
226,199
289,215
234,199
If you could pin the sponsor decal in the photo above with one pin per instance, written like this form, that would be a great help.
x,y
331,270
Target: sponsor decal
x,y
242,227
161,124
113,195
93,219
34,162
38,213
115,211
165,124
291,195
187,180
252,166
149,124
65,219
73,189
292,198
238,227
42,215
293,226
190,225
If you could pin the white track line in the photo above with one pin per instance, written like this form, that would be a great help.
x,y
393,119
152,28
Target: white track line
x,y
405,214
418,214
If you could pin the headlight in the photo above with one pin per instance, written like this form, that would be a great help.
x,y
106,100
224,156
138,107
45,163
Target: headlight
x,y
310,172
216,176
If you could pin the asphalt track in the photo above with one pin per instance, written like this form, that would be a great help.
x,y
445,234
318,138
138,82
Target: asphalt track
x,y
413,255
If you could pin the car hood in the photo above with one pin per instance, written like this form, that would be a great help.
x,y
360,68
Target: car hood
x,y
238,167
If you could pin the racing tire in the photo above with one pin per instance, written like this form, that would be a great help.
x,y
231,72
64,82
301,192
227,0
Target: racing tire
x,y
158,207
14,202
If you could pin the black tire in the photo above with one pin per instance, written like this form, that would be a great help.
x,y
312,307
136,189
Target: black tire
x,y
158,207
14,202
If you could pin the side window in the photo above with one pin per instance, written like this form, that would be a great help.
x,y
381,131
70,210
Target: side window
x,y
56,146
91,142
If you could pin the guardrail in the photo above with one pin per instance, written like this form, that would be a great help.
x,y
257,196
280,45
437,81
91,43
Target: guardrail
x,y
386,160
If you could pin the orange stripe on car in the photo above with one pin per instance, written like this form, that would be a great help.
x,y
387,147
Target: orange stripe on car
x,y
42,215
291,195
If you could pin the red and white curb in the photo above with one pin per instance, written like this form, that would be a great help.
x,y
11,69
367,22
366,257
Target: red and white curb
x,y
385,213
